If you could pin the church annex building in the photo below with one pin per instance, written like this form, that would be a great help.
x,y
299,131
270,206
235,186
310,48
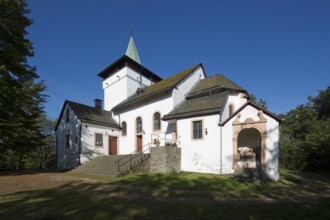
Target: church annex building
x,y
210,118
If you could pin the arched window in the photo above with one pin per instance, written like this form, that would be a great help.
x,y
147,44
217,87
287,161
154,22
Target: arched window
x,y
157,124
139,125
123,128
231,109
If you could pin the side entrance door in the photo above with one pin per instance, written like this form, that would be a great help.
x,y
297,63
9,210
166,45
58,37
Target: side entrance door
x,y
112,145
139,143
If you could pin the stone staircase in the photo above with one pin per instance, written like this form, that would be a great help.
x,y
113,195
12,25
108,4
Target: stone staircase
x,y
250,175
108,166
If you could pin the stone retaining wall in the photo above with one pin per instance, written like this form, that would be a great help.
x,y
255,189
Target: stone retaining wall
x,y
165,159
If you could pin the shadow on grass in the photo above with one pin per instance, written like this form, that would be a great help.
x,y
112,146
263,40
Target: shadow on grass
x,y
28,172
215,186
171,196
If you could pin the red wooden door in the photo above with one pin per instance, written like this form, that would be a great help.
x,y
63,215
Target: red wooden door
x,y
112,145
139,143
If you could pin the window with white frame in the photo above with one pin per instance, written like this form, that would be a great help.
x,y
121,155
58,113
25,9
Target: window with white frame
x,y
197,129
98,140
139,125
157,122
123,128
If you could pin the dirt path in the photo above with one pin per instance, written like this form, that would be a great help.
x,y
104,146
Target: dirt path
x,y
31,180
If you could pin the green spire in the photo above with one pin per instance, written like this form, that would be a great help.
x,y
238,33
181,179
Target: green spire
x,y
132,51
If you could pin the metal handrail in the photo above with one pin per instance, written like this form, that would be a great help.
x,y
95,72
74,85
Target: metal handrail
x,y
136,154
165,138
132,156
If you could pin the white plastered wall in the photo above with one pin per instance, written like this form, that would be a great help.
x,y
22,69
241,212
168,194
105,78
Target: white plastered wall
x,y
201,155
163,106
111,86
272,140
133,81
237,100
88,148
121,85
227,136
186,85
227,148
272,152
128,142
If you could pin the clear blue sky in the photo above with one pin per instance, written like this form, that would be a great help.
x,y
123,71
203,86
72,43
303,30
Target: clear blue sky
x,y
279,50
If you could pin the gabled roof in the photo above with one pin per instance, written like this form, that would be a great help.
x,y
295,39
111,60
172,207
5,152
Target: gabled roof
x,y
156,89
216,81
205,105
208,97
127,61
89,114
257,107
132,51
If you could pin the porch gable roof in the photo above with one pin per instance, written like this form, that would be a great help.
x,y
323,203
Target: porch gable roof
x,y
255,106
204,105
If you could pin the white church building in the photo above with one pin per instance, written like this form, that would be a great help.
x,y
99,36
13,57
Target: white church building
x,y
210,118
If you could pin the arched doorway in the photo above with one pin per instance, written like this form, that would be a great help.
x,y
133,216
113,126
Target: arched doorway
x,y
249,148
250,132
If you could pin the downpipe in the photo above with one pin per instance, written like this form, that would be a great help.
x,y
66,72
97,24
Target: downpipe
x,y
220,124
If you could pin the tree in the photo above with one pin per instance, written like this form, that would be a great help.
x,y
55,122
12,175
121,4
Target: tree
x,y
321,103
21,91
295,128
305,137
260,102
44,156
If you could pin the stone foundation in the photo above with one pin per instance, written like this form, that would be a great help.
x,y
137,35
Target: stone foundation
x,y
165,159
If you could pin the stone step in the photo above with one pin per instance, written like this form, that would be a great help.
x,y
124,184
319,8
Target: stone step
x,y
97,170
250,175
114,174
108,165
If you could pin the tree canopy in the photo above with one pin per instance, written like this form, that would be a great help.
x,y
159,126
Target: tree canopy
x,y
21,91
260,102
305,136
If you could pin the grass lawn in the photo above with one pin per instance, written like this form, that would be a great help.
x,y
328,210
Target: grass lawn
x,y
170,196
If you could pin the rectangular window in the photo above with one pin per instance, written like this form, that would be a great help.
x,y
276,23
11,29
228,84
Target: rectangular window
x,y
98,140
197,129
124,129
67,114
67,141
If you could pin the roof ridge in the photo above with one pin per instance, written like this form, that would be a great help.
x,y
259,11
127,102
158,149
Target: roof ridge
x,y
123,61
158,87
90,114
216,81
89,106
229,80
174,77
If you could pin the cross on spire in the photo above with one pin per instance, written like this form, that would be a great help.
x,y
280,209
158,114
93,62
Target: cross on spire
x,y
131,30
